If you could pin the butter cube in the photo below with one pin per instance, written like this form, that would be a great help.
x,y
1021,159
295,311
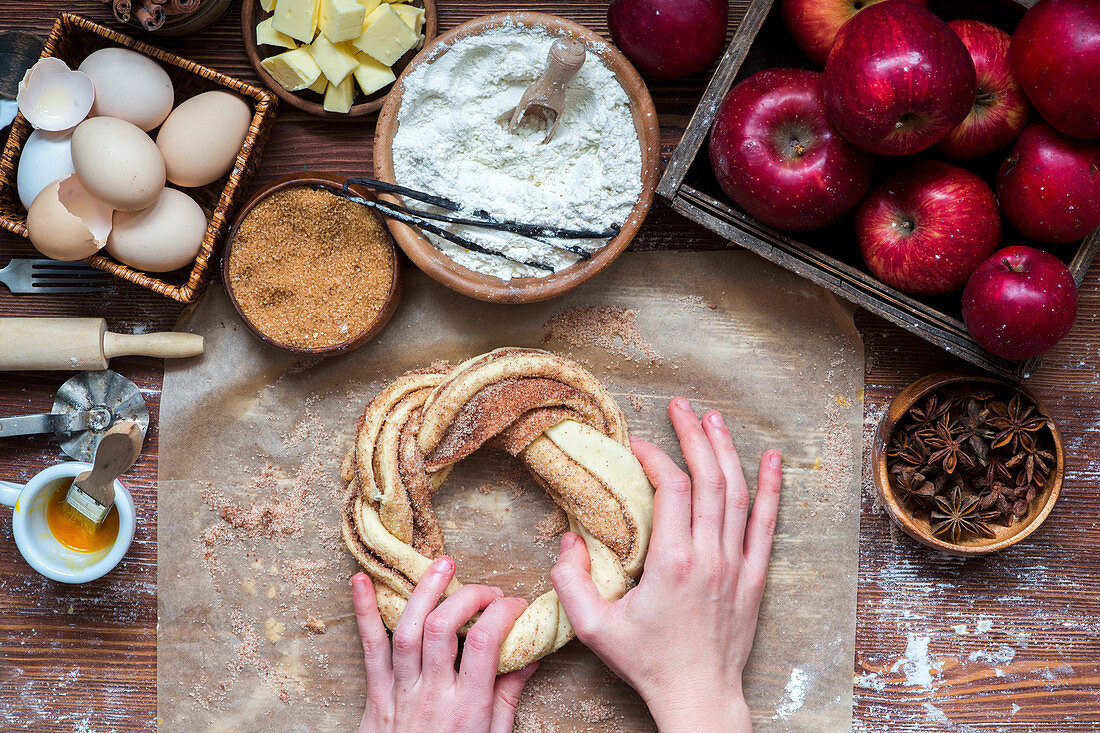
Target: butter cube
x,y
267,5
297,18
386,37
268,36
320,85
370,5
294,70
339,97
412,15
341,20
372,75
336,61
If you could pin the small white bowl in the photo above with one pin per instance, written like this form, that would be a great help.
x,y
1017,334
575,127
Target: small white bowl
x,y
38,545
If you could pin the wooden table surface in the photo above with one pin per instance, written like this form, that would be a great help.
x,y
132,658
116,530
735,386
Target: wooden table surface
x,y
1008,642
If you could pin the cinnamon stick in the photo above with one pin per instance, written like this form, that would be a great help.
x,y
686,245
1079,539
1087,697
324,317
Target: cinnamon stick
x,y
121,9
150,15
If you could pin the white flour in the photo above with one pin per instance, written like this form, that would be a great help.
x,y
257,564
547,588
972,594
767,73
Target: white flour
x,y
451,144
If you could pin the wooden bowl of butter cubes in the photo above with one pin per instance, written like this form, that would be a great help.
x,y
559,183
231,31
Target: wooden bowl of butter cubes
x,y
334,58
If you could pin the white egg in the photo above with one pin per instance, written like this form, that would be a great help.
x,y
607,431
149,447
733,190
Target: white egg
x,y
53,98
46,157
130,86
66,222
162,238
8,110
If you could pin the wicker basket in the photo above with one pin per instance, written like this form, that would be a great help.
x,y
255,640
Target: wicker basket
x,y
71,40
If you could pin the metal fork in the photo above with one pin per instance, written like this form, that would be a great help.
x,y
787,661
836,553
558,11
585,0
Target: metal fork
x,y
46,277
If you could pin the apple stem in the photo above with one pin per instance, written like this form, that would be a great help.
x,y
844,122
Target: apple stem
x,y
1011,267
985,98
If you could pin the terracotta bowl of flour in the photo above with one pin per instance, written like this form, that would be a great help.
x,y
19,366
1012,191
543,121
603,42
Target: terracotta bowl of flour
x,y
487,287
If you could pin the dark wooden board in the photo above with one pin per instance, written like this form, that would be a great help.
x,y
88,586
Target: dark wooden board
x,y
95,669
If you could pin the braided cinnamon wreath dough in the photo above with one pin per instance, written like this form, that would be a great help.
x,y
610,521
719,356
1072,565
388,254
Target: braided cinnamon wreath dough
x,y
544,409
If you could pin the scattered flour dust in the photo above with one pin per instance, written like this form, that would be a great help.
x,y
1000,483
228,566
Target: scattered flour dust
x,y
917,664
796,695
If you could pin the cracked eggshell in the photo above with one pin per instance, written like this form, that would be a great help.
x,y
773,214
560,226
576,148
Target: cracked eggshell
x,y
65,222
118,163
46,157
129,86
162,238
52,97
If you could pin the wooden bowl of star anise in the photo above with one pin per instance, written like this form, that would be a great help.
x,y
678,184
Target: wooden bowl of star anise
x,y
967,464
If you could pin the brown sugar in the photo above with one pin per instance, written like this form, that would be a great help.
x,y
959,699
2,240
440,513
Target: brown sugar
x,y
310,269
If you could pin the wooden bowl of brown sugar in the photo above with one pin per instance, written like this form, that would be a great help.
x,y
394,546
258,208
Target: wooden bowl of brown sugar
x,y
1005,455
309,271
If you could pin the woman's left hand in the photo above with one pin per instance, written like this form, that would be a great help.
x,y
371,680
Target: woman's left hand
x,y
412,684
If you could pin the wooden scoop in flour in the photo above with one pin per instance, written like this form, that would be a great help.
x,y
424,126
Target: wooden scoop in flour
x,y
546,97
92,493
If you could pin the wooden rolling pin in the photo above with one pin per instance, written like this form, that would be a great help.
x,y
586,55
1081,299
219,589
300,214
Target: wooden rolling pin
x,y
81,344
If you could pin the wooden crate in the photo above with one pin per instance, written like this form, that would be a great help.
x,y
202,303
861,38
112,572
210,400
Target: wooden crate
x,y
71,40
830,257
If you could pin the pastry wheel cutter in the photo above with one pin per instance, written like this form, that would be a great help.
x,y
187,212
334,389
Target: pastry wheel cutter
x,y
85,408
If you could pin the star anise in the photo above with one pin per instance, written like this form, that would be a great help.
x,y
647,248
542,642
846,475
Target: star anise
x,y
912,484
926,414
1032,466
959,516
968,392
995,470
1024,496
908,448
974,422
1015,423
950,447
1000,498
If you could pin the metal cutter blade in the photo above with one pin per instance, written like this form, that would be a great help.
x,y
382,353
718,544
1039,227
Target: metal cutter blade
x,y
86,406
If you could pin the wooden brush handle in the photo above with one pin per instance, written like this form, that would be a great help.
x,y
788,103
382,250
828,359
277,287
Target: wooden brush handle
x,y
118,449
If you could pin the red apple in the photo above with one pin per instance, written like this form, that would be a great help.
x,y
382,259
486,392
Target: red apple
x,y
1055,55
1049,188
1020,302
927,227
999,110
813,23
669,39
777,155
897,79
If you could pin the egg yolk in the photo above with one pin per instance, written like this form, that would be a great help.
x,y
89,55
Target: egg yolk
x,y
75,531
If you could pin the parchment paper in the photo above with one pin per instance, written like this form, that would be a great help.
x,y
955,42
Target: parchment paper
x,y
254,435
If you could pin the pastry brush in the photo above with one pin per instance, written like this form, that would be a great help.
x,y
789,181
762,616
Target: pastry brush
x,y
92,493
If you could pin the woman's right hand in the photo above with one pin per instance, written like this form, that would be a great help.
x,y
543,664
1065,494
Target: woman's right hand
x,y
681,637
412,683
